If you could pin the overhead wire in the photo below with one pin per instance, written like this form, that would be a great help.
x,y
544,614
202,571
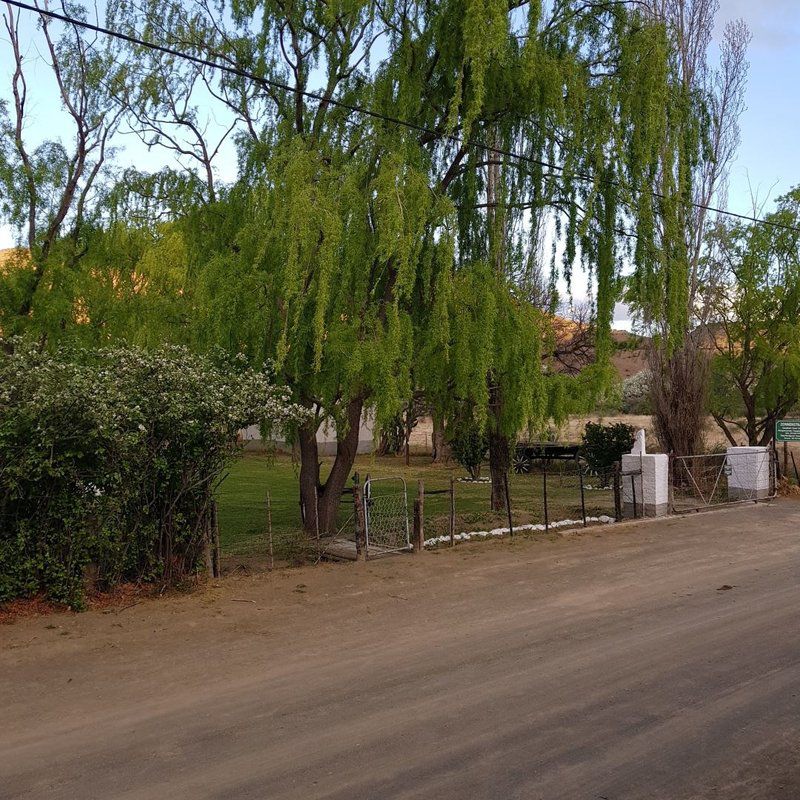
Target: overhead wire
x,y
461,141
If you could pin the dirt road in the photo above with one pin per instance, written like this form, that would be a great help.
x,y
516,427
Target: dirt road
x,y
606,665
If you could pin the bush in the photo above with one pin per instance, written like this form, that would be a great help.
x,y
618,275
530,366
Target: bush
x,y
108,462
636,394
469,448
603,445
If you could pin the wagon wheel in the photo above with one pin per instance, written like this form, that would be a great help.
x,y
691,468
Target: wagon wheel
x,y
522,464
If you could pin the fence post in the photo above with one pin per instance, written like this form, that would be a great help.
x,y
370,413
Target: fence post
x,y
452,511
208,547
583,496
775,472
215,553
358,514
617,492
316,524
670,482
544,487
269,531
419,517
508,505
633,492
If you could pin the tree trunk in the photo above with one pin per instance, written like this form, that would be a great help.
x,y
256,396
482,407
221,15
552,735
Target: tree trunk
x,y
678,390
309,477
324,511
407,433
499,450
499,446
440,451
723,426
751,420
768,433
499,463
383,445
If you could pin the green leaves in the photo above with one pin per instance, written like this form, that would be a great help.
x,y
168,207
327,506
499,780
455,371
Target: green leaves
x,y
110,457
485,37
752,290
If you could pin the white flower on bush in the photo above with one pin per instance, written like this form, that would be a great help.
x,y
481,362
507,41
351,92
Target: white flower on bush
x,y
636,387
125,445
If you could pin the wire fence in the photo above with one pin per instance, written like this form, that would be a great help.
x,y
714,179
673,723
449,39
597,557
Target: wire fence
x,y
256,526
262,523
547,496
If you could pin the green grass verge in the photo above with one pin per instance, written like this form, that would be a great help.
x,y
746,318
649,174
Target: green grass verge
x,y
243,512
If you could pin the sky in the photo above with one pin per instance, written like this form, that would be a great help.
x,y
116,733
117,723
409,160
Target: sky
x,y
768,162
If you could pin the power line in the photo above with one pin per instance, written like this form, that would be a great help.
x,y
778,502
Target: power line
x,y
270,82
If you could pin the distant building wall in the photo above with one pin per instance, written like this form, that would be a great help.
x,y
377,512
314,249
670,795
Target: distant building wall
x,y
326,438
421,438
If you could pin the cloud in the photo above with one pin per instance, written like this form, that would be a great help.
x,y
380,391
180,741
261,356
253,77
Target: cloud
x,y
773,23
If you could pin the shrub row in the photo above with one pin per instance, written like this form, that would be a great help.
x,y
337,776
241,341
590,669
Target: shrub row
x,y
109,459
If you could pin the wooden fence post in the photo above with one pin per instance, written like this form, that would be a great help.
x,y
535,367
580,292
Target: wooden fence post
x,y
215,551
671,482
617,492
208,548
419,519
452,512
269,531
583,495
358,511
544,488
508,505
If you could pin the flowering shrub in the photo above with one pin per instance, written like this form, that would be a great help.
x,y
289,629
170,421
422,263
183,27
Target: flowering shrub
x,y
108,461
636,393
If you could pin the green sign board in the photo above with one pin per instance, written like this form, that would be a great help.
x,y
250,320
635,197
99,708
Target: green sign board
x,y
787,430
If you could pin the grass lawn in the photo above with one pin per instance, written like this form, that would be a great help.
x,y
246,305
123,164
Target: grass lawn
x,y
243,512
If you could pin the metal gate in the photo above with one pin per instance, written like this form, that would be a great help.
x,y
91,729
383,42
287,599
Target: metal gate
x,y
705,481
386,515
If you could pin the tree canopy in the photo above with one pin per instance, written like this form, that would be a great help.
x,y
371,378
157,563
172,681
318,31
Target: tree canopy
x,y
752,282
372,259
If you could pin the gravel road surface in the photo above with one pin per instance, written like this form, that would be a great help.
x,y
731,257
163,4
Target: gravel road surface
x,y
658,660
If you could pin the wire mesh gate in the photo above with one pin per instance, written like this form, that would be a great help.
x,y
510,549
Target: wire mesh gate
x,y
704,481
386,523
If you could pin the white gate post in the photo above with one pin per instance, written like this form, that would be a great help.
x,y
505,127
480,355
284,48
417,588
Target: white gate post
x,y
748,473
649,481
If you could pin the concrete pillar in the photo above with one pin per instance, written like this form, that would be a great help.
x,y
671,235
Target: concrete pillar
x,y
748,471
647,476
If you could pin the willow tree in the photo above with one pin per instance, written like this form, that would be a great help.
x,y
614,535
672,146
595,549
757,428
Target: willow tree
x,y
564,109
350,239
370,259
337,240
700,117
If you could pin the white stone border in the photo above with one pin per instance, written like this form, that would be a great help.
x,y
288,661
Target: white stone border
x,y
500,532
